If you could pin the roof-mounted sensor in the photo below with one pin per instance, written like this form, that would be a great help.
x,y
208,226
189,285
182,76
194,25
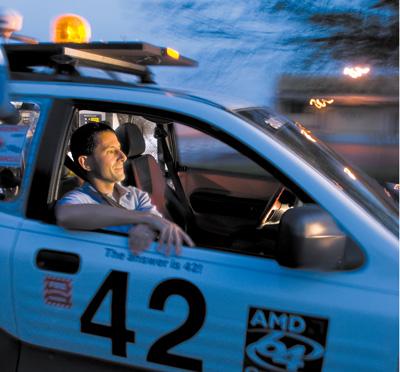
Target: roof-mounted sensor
x,y
127,57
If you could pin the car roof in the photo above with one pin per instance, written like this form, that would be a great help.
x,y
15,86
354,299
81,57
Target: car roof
x,y
229,102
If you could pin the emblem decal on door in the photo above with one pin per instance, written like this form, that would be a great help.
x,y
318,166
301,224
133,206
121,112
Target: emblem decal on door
x,y
281,341
58,291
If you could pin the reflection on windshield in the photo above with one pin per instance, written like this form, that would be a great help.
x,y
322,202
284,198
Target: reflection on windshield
x,y
361,188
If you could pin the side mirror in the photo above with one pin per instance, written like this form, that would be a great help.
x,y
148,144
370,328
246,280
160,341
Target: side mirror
x,y
309,238
8,112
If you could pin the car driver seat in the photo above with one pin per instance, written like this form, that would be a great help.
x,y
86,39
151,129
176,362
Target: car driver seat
x,y
143,171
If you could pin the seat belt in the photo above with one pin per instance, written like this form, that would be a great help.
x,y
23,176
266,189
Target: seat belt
x,y
70,164
161,135
160,152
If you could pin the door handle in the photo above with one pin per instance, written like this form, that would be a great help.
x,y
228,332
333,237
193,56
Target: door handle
x,y
61,262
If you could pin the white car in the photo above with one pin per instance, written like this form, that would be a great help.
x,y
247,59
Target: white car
x,y
296,260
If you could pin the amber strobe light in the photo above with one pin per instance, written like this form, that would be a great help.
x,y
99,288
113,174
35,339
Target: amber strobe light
x,y
70,28
172,53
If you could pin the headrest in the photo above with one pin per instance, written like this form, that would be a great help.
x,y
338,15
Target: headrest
x,y
131,139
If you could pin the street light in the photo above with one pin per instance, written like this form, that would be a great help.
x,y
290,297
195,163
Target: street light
x,y
320,103
356,71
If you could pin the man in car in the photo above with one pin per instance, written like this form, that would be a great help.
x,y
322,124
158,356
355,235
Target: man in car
x,y
101,202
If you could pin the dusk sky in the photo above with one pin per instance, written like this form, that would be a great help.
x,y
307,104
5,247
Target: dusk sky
x,y
132,20
236,46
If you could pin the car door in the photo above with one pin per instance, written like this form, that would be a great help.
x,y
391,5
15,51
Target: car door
x,y
85,294
88,296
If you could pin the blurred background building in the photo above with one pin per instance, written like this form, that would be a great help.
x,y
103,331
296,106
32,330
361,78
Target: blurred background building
x,y
359,118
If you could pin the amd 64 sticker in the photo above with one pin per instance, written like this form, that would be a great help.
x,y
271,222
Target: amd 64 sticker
x,y
281,341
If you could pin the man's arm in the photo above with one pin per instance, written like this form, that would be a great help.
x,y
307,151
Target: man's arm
x,y
97,216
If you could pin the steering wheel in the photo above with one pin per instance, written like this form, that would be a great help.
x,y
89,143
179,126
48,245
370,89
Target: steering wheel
x,y
274,209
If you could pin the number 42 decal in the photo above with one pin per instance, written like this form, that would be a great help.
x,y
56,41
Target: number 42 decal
x,y
117,283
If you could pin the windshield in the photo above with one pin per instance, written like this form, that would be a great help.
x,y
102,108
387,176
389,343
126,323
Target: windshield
x,y
361,188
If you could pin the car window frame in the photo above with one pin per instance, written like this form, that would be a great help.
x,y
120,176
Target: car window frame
x,y
184,166
54,141
50,158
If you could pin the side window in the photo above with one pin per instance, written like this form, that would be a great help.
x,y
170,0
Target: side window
x,y
15,141
199,150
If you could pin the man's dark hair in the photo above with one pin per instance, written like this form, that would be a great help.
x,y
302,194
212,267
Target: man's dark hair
x,y
83,140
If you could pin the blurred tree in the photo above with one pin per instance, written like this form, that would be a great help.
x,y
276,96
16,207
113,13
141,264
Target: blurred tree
x,y
248,41
368,34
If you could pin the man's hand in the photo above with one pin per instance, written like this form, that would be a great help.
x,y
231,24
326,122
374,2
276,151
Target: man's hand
x,y
171,236
140,238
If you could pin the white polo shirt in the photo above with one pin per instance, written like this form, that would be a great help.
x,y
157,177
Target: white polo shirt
x,y
131,198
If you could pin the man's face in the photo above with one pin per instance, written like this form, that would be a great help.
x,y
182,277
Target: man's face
x,y
107,161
